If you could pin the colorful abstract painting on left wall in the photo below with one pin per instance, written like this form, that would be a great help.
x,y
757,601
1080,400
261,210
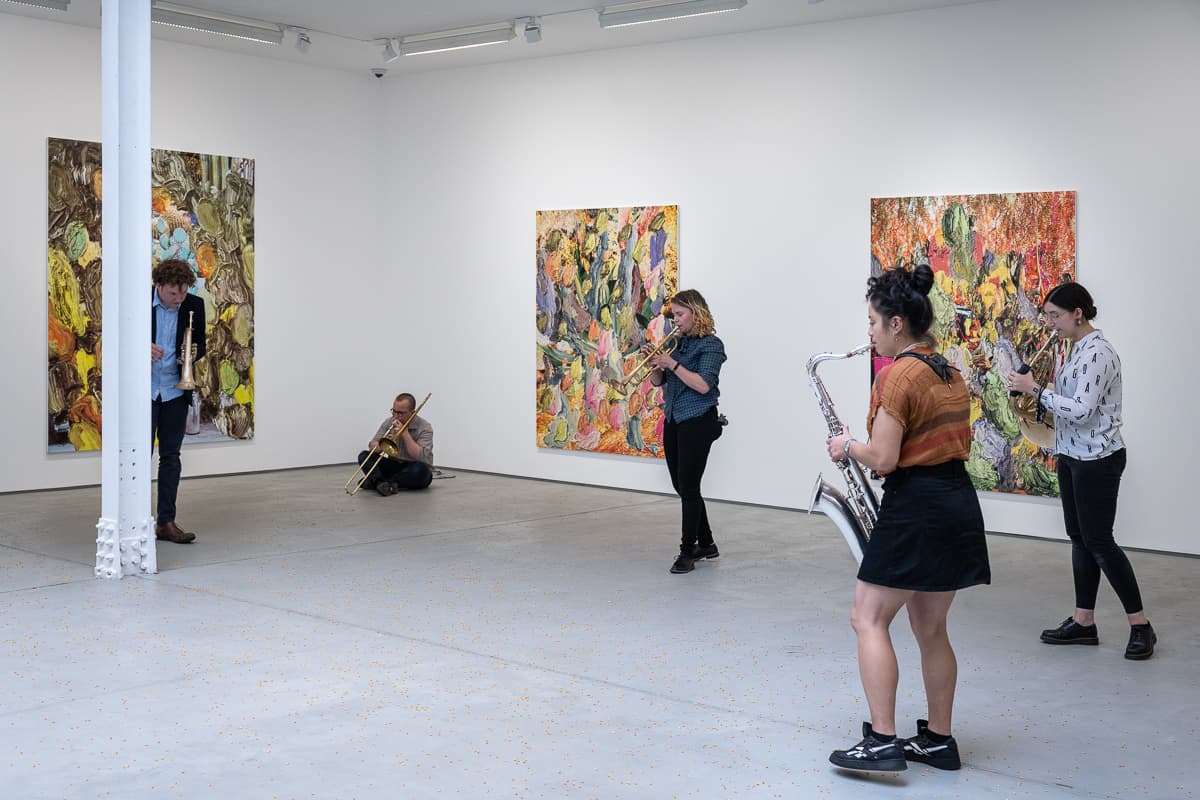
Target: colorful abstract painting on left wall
x,y
602,277
202,213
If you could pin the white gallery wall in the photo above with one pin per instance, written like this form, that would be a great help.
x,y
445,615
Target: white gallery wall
x,y
771,144
395,223
312,133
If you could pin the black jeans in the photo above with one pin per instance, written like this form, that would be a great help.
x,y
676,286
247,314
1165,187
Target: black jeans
x,y
686,445
405,474
1089,498
168,418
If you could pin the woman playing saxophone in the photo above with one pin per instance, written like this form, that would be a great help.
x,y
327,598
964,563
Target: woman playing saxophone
x,y
928,540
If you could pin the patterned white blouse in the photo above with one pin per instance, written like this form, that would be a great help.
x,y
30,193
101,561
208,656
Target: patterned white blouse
x,y
1086,400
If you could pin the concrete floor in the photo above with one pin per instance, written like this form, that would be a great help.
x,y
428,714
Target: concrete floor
x,y
509,638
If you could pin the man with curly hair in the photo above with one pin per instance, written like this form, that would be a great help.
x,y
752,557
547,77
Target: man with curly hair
x,y
173,309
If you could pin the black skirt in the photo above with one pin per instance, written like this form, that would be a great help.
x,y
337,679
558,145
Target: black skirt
x,y
929,536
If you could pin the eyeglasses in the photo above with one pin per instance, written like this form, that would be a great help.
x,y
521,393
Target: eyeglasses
x,y
397,412
1052,315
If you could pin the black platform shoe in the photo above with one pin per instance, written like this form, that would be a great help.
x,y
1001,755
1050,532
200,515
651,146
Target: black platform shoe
x,y
1071,632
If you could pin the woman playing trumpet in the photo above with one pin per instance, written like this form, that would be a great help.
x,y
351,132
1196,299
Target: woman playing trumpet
x,y
689,376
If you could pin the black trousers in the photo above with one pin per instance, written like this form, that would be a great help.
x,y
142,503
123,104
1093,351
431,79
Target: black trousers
x,y
168,419
686,445
405,474
1089,498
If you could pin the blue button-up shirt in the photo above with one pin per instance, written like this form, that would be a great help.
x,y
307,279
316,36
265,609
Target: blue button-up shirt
x,y
703,355
164,373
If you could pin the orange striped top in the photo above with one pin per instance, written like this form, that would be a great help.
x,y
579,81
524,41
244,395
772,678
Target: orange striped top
x,y
935,414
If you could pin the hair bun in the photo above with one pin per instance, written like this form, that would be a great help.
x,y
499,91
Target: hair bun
x,y
922,278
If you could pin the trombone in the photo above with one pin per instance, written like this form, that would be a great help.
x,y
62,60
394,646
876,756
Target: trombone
x,y
389,446
640,372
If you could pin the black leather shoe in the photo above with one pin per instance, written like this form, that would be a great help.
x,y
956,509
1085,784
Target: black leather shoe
x,y
1142,639
386,488
685,563
706,551
1071,632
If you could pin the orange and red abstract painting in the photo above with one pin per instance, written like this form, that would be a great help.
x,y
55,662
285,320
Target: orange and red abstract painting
x,y
602,277
994,259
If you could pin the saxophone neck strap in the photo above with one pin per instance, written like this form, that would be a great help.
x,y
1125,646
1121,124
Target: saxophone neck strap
x,y
935,362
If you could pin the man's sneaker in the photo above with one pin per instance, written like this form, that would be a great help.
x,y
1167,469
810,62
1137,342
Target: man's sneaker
x,y
684,563
921,748
386,488
871,754
1071,632
706,551
1142,639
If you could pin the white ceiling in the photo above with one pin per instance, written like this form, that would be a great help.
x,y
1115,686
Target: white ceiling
x,y
348,34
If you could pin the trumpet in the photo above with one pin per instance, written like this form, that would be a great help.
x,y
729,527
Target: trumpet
x,y
186,381
387,447
642,371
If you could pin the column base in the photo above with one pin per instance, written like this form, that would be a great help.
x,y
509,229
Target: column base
x,y
132,553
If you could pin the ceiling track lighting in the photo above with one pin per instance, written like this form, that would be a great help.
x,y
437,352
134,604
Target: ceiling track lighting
x,y
638,13
303,40
192,19
389,52
50,5
532,29
458,39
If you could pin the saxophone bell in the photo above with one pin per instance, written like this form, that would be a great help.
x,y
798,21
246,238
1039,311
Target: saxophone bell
x,y
834,504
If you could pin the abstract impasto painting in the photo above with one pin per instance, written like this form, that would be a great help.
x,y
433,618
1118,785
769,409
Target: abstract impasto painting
x,y
203,213
602,277
994,258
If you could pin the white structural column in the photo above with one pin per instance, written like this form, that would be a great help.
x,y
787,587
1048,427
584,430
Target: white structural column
x,y
125,532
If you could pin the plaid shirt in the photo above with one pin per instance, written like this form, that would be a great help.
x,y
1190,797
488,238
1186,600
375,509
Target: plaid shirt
x,y
703,355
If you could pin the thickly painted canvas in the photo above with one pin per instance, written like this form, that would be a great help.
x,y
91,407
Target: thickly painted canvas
x,y
203,213
602,277
994,258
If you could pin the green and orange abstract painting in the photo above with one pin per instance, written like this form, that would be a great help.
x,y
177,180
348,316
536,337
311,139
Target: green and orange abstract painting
x,y
202,213
994,258
602,277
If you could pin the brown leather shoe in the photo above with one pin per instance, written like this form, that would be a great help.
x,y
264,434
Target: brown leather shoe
x,y
170,532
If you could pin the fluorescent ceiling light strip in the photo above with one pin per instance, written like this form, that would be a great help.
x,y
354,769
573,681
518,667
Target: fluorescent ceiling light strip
x,y
441,44
238,30
620,16
51,5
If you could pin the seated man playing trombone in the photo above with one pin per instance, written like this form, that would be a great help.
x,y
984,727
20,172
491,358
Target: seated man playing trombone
x,y
409,463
